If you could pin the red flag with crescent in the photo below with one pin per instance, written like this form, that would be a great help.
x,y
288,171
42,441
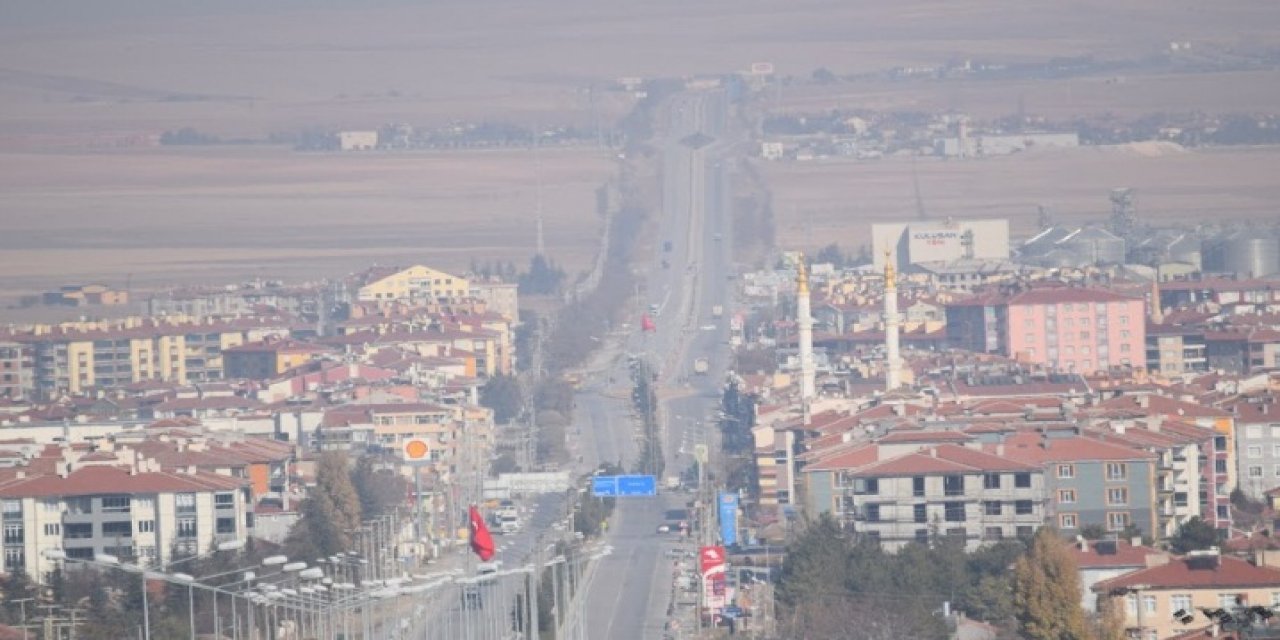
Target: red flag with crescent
x,y
647,324
481,540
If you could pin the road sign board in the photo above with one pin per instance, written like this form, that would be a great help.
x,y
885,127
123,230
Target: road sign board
x,y
623,486
700,453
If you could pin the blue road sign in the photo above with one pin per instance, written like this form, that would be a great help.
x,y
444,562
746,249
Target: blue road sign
x,y
637,486
604,486
623,486
728,518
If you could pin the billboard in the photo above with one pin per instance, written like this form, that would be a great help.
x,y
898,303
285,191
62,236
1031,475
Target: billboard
x,y
728,518
715,593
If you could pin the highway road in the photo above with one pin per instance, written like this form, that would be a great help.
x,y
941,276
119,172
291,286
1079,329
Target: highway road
x,y
631,593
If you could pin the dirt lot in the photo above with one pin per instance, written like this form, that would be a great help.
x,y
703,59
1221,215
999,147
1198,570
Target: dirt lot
x,y
819,202
218,215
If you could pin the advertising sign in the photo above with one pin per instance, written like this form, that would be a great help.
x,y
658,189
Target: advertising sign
x,y
728,518
715,594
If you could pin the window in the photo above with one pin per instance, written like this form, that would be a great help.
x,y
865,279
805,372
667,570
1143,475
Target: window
x,y
958,533
1180,601
1117,471
917,486
1118,496
1066,496
1253,432
146,526
1066,471
14,558
1023,507
1228,600
993,533
1117,520
871,512
1255,471
1068,521
953,485
14,533
186,527
1022,480
1220,466
991,508
78,531
1275,598
228,525
1219,443
922,536
866,486
1025,531
117,529
115,504
953,511
1254,451
184,502
224,500
991,481
52,529
1180,498
12,509
920,513
1131,605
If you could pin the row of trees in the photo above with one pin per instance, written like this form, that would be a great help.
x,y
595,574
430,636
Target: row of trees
x,y
344,497
837,585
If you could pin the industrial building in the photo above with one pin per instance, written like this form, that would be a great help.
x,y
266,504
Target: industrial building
x,y
939,241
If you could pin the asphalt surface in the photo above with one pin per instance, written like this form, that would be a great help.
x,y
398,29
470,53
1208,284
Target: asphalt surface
x,y
631,592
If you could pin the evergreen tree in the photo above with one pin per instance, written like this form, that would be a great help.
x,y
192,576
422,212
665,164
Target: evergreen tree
x,y
502,394
1047,591
817,564
330,512
1194,534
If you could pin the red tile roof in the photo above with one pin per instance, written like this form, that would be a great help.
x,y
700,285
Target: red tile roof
x,y
1228,573
1031,448
99,480
946,458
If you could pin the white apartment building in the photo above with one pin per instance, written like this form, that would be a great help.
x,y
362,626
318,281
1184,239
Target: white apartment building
x,y
140,517
945,490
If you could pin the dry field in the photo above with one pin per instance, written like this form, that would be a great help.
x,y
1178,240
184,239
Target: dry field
x,y
218,215
819,202
81,72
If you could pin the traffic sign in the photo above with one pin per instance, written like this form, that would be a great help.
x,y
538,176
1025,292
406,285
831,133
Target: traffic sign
x,y
624,486
700,453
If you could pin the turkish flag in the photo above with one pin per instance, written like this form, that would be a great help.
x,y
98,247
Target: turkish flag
x,y
481,541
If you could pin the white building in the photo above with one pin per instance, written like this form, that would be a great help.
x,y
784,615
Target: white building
x,y
139,516
357,140
940,240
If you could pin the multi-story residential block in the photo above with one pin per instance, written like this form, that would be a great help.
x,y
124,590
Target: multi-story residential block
x,y
76,360
1150,597
413,284
267,359
1088,481
1175,349
16,370
1067,328
499,297
1257,419
451,431
940,490
142,516
1219,472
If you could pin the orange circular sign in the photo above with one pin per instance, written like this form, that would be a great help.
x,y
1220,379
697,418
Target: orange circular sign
x,y
416,449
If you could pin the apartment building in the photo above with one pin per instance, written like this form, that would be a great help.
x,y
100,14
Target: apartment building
x,y
1219,471
76,359
1067,328
16,370
946,489
1088,481
267,359
140,516
1149,597
451,431
1257,419
1175,349
416,284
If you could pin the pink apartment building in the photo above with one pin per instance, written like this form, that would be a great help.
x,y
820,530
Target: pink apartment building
x,y
1068,328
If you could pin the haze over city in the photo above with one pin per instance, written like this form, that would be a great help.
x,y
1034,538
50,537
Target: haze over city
x,y
567,319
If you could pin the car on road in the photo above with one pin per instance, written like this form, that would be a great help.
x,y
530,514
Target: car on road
x,y
664,528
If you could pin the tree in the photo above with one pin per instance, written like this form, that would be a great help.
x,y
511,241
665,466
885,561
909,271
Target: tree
x,y
380,490
816,565
1192,535
830,254
330,512
543,277
1046,594
502,394
823,75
